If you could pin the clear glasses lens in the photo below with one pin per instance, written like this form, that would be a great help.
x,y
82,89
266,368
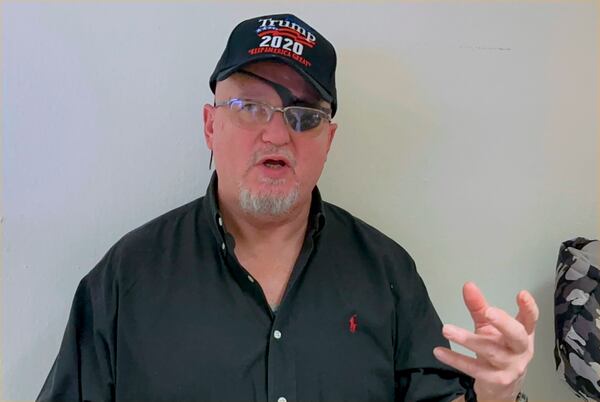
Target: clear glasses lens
x,y
250,112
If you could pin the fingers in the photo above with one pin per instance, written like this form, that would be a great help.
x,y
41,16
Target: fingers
x,y
503,344
476,304
468,365
528,311
478,369
516,331
489,348
515,336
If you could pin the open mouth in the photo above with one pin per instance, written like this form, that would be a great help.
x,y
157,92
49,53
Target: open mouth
x,y
274,164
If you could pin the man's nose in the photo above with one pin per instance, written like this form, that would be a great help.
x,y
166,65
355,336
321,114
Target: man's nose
x,y
276,131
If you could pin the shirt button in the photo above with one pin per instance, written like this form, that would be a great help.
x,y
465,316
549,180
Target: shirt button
x,y
223,246
281,399
220,221
277,335
251,279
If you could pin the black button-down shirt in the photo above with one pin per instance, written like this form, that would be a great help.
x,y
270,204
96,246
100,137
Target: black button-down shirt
x,y
169,314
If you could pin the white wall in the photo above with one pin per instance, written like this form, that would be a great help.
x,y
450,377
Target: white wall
x,y
468,133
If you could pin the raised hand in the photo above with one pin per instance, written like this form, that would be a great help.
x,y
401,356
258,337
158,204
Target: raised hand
x,y
503,345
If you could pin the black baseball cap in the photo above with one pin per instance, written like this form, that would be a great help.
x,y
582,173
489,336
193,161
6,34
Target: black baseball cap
x,y
283,38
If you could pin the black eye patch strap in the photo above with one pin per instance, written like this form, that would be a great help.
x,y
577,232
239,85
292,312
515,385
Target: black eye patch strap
x,y
287,97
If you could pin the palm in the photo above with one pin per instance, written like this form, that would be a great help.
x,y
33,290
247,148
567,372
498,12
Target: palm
x,y
503,345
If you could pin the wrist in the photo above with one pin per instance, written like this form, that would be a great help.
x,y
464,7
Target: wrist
x,y
498,397
511,393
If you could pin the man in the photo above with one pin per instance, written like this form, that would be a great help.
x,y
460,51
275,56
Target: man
x,y
261,291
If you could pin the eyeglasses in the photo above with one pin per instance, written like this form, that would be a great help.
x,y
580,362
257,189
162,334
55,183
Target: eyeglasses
x,y
253,114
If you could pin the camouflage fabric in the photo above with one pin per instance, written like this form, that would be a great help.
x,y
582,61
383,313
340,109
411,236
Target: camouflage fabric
x,y
577,316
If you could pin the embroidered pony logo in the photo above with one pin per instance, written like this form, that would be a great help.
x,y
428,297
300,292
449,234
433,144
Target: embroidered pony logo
x,y
353,323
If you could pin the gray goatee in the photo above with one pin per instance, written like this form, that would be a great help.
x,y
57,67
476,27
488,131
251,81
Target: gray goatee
x,y
270,203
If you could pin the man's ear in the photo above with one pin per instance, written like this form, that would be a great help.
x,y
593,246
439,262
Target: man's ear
x,y
208,113
331,133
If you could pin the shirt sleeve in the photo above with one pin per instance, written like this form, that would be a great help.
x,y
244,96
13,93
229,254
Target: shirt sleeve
x,y
82,371
419,376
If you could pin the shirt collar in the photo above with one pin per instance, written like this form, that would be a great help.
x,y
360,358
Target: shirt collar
x,y
316,216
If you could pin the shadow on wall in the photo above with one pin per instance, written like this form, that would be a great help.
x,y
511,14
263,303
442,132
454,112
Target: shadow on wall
x,y
380,103
541,371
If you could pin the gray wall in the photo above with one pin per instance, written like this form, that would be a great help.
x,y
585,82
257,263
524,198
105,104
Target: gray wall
x,y
468,133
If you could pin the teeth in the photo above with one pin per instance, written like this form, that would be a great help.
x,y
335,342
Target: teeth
x,y
274,163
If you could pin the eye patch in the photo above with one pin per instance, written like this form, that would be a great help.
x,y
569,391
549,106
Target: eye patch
x,y
287,97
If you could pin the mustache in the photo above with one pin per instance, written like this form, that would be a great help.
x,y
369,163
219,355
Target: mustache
x,y
285,152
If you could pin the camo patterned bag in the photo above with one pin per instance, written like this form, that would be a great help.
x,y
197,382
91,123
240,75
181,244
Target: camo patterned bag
x,y
577,316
